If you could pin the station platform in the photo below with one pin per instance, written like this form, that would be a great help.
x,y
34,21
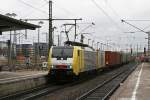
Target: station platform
x,y
13,82
9,75
136,86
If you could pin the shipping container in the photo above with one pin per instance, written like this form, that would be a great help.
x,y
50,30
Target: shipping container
x,y
112,58
108,58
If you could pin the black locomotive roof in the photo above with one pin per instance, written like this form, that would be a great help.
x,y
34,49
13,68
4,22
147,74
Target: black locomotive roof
x,y
72,43
62,47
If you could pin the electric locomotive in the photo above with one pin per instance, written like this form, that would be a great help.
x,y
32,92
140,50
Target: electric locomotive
x,y
66,61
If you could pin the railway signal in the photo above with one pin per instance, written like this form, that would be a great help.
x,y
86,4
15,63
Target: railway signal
x,y
144,51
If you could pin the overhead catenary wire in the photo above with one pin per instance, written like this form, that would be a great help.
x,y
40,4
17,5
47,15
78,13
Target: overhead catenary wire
x,y
106,14
45,1
117,15
138,20
113,10
141,20
31,6
146,27
133,26
26,15
65,10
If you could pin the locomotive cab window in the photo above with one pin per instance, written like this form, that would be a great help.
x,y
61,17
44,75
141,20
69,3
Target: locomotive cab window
x,y
62,52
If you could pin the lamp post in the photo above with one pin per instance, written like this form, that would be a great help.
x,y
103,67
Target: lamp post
x,y
92,43
104,46
89,41
101,46
108,45
40,22
97,45
38,51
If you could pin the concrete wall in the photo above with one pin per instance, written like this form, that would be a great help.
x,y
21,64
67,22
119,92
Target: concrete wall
x,y
13,86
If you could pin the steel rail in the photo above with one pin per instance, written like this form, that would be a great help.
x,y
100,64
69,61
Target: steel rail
x,y
87,94
39,91
24,92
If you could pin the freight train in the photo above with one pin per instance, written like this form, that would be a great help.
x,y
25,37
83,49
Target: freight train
x,y
66,61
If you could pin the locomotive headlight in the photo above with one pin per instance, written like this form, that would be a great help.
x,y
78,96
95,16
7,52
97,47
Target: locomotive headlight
x,y
70,66
52,66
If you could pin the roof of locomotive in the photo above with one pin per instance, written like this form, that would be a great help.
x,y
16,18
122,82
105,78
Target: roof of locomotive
x,y
60,47
72,47
73,43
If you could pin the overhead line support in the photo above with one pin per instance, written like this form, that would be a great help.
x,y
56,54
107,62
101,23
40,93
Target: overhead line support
x,y
140,30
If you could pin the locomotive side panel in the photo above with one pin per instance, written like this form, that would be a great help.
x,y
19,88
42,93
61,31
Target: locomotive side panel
x,y
101,59
89,60
78,61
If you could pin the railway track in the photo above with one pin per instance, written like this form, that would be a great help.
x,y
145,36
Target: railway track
x,y
19,94
104,90
74,92
35,92
108,83
39,91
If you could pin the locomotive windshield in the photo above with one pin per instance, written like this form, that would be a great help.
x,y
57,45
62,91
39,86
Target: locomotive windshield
x,y
62,52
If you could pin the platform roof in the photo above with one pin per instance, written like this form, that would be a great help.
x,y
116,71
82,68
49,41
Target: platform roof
x,y
7,24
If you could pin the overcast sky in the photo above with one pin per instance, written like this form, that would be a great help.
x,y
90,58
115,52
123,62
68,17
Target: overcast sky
x,y
106,14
